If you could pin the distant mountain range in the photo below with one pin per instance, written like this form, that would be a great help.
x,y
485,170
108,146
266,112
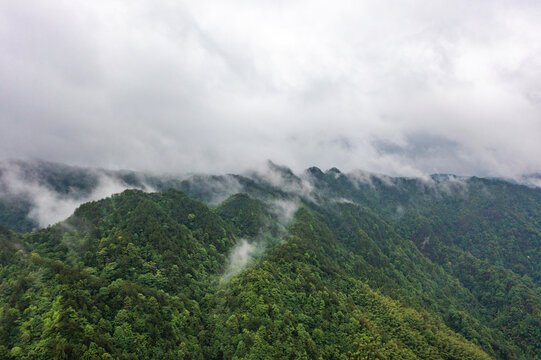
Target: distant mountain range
x,y
34,194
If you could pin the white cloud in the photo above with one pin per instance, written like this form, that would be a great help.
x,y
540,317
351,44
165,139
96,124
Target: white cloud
x,y
284,209
220,86
49,206
240,257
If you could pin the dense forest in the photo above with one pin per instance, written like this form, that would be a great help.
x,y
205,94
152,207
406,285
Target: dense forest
x,y
270,264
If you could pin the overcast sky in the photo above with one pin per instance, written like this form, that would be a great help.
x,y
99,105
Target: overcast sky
x,y
399,87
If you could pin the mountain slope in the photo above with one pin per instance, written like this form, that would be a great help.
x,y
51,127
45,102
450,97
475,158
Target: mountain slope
x,y
317,265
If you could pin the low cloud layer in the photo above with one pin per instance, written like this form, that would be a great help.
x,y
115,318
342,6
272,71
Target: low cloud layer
x,y
47,205
403,88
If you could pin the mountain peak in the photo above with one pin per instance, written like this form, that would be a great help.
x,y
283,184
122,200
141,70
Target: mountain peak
x,y
333,170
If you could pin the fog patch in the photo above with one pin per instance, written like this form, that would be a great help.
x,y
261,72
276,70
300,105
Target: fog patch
x,y
532,180
281,178
400,212
425,242
425,180
213,189
49,206
454,186
344,201
243,254
361,177
284,210
438,183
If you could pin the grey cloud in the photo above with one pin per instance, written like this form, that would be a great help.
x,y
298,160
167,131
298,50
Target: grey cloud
x,y
417,145
209,86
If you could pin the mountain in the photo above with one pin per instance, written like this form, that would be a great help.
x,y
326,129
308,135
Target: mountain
x,y
270,264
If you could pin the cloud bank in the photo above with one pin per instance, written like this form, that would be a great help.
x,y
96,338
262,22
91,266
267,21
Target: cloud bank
x,y
403,88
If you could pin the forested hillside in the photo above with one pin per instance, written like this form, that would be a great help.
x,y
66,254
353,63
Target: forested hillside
x,y
271,264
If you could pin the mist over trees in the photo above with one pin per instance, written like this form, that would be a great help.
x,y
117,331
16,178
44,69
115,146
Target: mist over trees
x,y
283,265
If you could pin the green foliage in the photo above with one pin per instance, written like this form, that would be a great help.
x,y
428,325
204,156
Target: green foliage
x,y
403,270
14,212
247,214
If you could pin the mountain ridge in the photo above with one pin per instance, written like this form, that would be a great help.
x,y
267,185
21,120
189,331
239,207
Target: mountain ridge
x,y
23,182
333,266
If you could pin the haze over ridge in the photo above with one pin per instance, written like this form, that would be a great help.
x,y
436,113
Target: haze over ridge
x,y
45,193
